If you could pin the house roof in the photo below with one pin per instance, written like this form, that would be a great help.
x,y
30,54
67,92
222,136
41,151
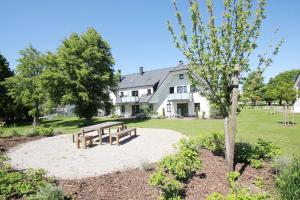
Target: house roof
x,y
148,78
297,82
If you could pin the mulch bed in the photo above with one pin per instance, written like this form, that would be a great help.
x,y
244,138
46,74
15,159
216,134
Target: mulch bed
x,y
133,183
10,142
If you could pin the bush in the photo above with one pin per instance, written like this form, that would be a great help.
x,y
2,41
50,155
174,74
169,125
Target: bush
x,y
236,192
20,183
48,192
214,142
214,112
267,150
176,168
14,133
170,188
288,181
254,154
184,164
43,131
146,166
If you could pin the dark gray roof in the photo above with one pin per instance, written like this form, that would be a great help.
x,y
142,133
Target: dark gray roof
x,y
148,78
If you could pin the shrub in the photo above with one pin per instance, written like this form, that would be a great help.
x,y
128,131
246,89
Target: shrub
x,y
176,168
236,192
288,181
170,188
2,124
258,182
48,192
214,112
280,163
266,150
184,164
146,166
214,142
43,131
254,154
14,133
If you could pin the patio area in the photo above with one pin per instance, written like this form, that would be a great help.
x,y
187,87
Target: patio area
x,y
60,157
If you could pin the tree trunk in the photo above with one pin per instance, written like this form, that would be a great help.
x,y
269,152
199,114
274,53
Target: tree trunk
x,y
227,142
36,117
232,120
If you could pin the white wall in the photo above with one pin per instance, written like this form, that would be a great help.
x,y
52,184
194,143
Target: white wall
x,y
161,97
141,90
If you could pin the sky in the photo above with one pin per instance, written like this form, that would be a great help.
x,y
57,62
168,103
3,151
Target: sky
x,y
135,29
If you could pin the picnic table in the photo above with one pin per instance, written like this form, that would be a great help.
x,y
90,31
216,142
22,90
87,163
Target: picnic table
x,y
100,128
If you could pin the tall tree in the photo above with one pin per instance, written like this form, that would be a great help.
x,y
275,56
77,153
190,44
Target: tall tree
x,y
25,87
218,55
253,87
81,73
281,87
6,102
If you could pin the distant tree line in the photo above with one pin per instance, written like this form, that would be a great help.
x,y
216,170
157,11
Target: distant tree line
x,y
279,89
80,72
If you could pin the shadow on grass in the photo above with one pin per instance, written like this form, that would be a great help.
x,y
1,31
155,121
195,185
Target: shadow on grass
x,y
84,122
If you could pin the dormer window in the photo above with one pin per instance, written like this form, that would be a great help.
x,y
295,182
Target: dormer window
x,y
181,76
149,92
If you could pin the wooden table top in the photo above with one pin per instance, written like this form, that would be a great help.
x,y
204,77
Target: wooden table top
x,y
101,126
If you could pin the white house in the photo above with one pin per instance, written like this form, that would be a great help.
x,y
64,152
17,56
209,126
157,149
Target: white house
x,y
297,103
166,90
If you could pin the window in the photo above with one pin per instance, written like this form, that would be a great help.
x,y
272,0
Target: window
x,y
122,109
181,89
197,107
171,90
135,93
181,76
122,94
151,107
193,88
168,107
148,91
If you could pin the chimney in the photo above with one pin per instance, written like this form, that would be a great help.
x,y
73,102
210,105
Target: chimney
x,y
180,62
120,75
141,70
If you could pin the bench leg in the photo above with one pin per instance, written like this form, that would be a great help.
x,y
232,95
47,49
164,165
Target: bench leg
x,y
77,143
84,143
118,142
110,140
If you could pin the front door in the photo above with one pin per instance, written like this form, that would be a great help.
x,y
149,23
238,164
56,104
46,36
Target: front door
x,y
182,109
135,109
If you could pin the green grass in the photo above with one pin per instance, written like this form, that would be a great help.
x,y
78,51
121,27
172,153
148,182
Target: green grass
x,y
252,125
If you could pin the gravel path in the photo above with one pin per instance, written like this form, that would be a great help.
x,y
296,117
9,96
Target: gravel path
x,y
60,157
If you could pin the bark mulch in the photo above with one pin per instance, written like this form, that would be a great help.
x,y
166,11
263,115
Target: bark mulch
x,y
10,142
133,184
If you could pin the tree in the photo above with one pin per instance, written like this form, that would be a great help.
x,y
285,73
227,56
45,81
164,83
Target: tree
x,y
281,87
253,87
81,73
25,87
6,103
218,55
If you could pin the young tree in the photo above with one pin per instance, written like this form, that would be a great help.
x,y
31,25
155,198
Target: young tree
x,y
6,102
25,86
253,87
81,73
218,55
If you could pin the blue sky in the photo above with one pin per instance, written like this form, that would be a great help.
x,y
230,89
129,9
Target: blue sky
x,y
135,29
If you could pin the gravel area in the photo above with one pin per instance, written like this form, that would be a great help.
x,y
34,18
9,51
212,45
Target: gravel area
x,y
60,157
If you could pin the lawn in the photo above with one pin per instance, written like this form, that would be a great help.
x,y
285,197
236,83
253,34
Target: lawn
x,y
252,125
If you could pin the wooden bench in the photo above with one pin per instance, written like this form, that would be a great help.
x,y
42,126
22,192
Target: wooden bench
x,y
121,134
84,140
